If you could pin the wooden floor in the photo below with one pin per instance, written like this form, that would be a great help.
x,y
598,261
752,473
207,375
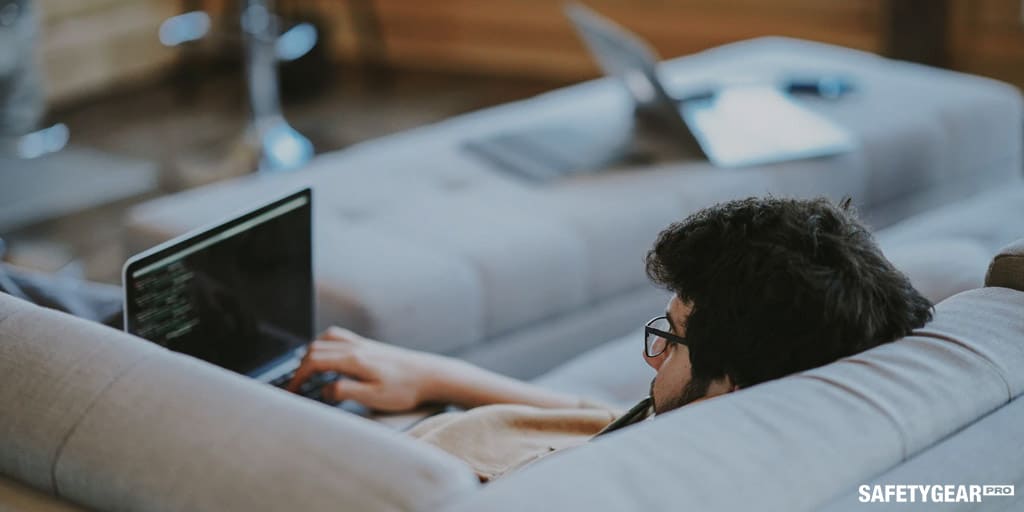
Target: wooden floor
x,y
187,130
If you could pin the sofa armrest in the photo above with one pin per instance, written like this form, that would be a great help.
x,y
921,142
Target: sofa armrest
x,y
112,422
1007,268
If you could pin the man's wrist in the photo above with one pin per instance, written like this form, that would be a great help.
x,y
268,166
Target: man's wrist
x,y
440,380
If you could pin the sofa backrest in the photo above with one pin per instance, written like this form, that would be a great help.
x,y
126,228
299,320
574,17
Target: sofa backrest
x,y
109,421
986,452
800,442
994,442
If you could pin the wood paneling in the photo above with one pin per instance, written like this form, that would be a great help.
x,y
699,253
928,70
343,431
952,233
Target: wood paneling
x,y
90,46
533,37
987,38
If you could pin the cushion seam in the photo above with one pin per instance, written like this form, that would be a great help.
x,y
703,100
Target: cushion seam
x,y
4,318
871,403
74,428
952,339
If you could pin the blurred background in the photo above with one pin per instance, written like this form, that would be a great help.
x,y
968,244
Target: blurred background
x,y
107,103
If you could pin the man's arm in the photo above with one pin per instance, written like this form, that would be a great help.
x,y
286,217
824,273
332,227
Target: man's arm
x,y
468,386
388,378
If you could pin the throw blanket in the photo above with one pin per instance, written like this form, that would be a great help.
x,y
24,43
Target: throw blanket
x,y
497,439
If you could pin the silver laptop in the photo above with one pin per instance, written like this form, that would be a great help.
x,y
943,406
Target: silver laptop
x,y
734,126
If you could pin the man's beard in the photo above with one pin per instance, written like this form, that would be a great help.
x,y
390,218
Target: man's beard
x,y
694,390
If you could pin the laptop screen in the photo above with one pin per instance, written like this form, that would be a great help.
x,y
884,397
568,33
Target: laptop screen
x,y
238,295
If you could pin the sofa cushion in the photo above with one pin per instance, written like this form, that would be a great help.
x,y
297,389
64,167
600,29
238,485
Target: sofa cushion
x,y
529,265
817,433
987,219
113,422
1007,268
947,250
54,368
942,267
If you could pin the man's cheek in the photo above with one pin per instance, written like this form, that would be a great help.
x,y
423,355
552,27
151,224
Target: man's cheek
x,y
668,385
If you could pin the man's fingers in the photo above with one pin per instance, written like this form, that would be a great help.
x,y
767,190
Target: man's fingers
x,y
328,346
302,373
314,361
317,353
344,362
348,389
338,334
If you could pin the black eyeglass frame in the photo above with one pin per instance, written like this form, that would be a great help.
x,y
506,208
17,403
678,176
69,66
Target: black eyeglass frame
x,y
667,336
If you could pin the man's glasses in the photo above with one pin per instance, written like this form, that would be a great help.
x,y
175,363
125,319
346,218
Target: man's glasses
x,y
657,336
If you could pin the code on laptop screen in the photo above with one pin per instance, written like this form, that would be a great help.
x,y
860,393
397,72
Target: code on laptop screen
x,y
238,295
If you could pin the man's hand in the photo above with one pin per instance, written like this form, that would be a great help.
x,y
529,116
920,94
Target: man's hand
x,y
380,376
388,378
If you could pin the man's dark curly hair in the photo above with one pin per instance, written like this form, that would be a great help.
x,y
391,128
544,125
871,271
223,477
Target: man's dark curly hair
x,y
779,286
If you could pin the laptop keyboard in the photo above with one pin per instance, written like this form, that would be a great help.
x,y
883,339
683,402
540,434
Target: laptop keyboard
x,y
312,388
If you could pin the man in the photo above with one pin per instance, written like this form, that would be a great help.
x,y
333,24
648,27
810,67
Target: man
x,y
762,288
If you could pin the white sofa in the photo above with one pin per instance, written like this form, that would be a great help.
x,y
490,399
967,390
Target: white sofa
x,y
422,244
106,421
505,271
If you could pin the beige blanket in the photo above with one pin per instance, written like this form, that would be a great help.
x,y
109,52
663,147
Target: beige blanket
x,y
496,439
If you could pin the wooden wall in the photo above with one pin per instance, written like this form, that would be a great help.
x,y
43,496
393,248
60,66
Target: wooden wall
x,y
94,46
533,37
89,46
986,37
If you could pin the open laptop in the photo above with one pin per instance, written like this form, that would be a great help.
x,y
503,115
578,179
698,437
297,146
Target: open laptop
x,y
238,294
735,126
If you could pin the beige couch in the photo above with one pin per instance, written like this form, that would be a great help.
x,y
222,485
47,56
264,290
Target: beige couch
x,y
506,271
107,421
